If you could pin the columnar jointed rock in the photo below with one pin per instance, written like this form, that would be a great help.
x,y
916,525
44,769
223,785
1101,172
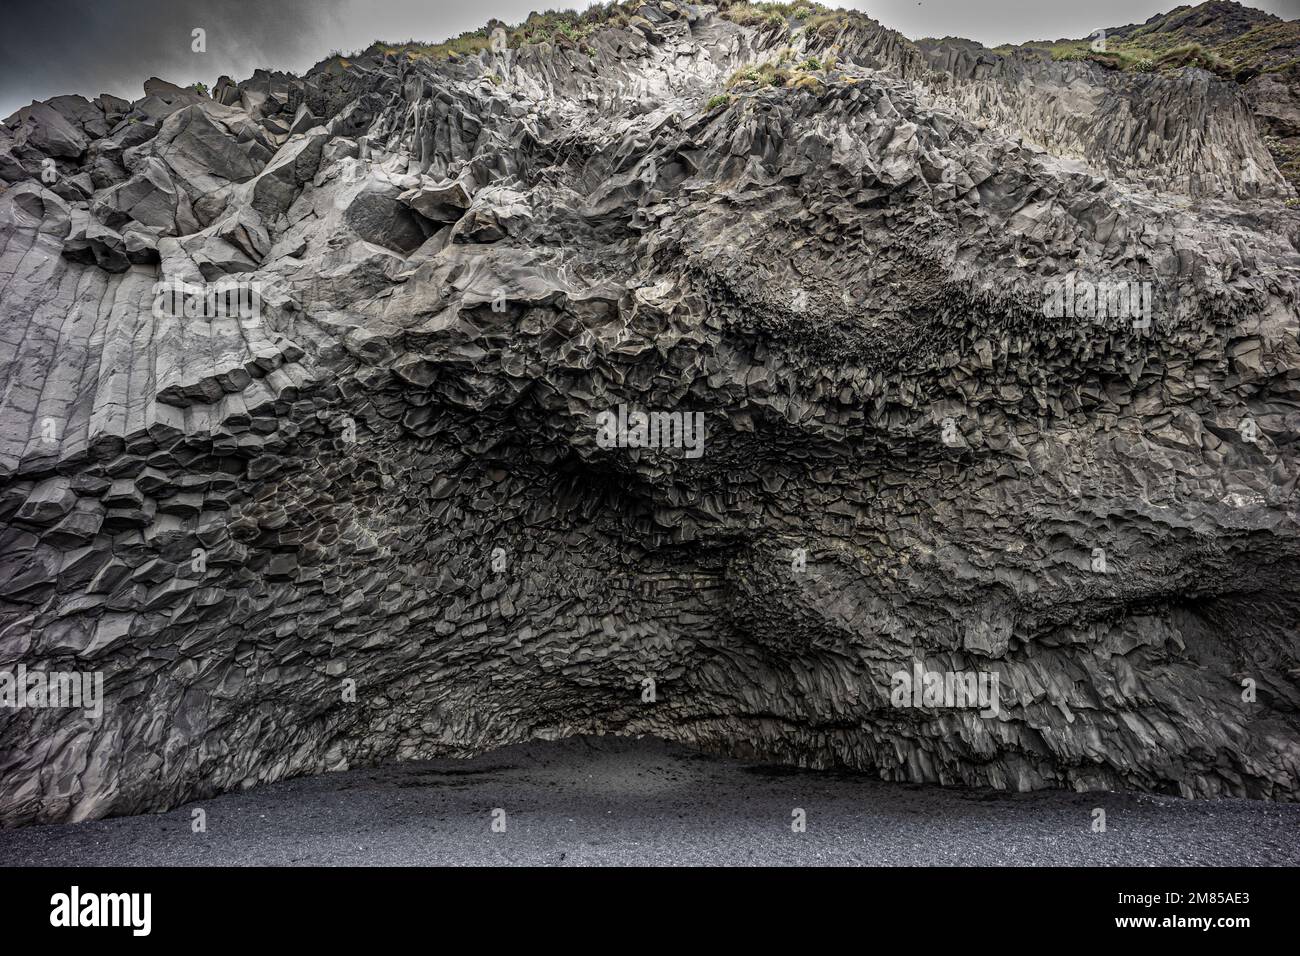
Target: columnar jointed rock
x,y
386,474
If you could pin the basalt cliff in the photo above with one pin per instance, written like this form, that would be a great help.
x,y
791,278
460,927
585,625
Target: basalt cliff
x,y
995,355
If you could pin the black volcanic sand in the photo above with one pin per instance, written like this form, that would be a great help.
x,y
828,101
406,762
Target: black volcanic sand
x,y
615,801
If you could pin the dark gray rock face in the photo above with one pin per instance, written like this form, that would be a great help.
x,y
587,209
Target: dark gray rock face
x,y
368,511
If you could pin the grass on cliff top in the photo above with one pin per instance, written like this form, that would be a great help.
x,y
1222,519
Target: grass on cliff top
x,y
1233,63
552,26
1268,47
570,27
1273,47
801,14
757,14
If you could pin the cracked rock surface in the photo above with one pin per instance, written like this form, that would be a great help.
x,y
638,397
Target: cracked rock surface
x,y
369,516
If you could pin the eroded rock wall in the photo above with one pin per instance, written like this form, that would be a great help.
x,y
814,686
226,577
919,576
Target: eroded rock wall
x,y
373,516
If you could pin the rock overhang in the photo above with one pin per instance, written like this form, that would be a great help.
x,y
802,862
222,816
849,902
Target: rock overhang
x,y
379,524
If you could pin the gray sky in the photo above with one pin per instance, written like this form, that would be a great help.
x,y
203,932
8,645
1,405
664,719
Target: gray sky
x,y
49,47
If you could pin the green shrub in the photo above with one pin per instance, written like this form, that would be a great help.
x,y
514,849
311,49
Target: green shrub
x,y
745,14
827,24
1193,54
548,27
758,14
744,76
1070,54
769,74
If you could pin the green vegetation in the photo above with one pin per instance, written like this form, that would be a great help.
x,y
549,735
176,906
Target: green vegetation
x,y
830,22
1180,40
769,74
782,72
1115,56
1237,47
467,44
804,81
722,99
758,14
554,26
200,88
1271,48
564,27
571,28
1138,59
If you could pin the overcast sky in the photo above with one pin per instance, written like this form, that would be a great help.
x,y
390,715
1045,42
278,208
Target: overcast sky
x,y
49,47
